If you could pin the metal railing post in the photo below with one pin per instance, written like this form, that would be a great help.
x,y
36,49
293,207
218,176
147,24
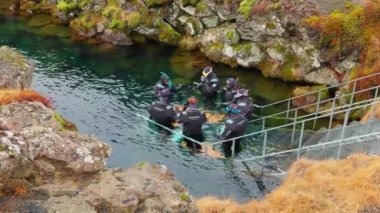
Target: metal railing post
x,y
346,117
233,149
264,146
287,110
353,94
317,109
331,120
263,125
294,125
300,141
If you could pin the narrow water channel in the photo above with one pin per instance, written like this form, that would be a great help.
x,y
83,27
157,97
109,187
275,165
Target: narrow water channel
x,y
102,89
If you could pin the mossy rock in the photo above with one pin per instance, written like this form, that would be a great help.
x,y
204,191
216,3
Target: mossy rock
x,y
133,20
137,38
168,34
156,3
189,43
56,30
67,5
64,124
188,2
40,20
245,7
85,22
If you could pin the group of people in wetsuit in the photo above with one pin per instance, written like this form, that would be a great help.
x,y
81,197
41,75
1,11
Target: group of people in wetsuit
x,y
236,100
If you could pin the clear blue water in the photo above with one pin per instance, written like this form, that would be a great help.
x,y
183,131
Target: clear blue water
x,y
101,90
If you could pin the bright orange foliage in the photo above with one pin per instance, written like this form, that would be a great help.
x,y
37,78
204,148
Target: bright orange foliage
x,y
21,191
350,185
8,96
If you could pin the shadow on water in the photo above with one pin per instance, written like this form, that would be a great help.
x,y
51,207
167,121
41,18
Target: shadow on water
x,y
101,89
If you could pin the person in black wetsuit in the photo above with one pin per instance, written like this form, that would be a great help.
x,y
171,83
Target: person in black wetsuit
x,y
209,82
244,102
163,83
192,119
234,126
162,111
230,90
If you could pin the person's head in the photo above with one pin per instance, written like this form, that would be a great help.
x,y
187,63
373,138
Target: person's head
x,y
206,72
192,101
233,108
164,80
231,82
241,93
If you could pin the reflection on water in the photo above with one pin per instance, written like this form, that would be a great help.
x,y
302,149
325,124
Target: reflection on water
x,y
101,89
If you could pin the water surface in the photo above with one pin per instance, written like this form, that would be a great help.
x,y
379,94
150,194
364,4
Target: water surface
x,y
102,89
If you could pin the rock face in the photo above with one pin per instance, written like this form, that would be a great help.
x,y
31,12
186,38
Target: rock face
x,y
32,130
269,35
143,188
15,70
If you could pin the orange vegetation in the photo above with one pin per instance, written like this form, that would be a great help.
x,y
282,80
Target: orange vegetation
x,y
354,28
8,96
350,185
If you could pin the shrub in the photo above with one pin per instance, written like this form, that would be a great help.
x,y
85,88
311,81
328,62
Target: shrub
x,y
8,96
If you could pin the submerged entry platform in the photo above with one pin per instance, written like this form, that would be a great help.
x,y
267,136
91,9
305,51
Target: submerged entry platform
x,y
273,149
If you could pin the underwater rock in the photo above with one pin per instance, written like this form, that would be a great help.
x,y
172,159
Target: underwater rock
x,y
40,20
56,30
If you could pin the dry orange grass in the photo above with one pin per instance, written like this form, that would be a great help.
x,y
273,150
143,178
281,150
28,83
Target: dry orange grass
x,y
8,96
351,185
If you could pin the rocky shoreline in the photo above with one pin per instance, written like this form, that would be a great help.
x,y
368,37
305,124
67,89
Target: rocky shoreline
x,y
269,35
47,166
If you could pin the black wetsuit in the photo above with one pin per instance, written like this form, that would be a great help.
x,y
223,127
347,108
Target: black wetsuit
x,y
192,120
245,105
210,85
229,93
162,112
160,86
234,126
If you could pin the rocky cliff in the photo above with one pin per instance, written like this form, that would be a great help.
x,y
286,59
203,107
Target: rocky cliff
x,y
47,166
282,38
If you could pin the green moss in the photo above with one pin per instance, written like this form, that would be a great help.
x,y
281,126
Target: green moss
x,y
141,165
84,22
271,26
189,2
280,49
66,6
117,24
154,3
243,47
201,6
168,34
230,35
64,124
133,20
84,3
2,148
245,7
184,197
288,66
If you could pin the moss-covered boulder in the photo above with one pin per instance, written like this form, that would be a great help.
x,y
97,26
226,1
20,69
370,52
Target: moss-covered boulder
x,y
303,98
56,30
168,34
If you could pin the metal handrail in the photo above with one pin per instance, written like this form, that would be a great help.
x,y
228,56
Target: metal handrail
x,y
291,124
307,147
320,90
319,103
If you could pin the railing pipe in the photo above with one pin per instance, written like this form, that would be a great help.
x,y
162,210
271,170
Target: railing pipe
x,y
301,139
317,109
